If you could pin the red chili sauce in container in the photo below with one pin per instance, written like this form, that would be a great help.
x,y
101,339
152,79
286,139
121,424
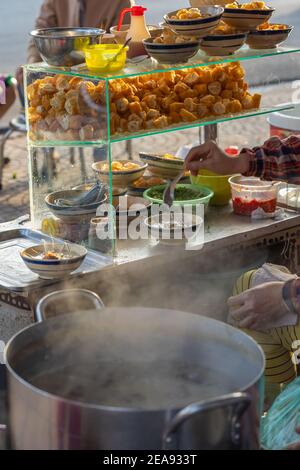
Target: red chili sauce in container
x,y
249,194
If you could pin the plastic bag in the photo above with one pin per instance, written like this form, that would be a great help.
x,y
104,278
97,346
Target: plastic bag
x,y
278,428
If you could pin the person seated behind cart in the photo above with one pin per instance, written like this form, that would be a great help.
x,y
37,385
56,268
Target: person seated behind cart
x,y
259,308
71,13
74,13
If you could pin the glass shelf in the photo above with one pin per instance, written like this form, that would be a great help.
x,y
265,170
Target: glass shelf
x,y
149,65
119,138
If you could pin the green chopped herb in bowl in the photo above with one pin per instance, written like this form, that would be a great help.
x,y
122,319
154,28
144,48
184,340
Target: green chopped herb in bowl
x,y
189,194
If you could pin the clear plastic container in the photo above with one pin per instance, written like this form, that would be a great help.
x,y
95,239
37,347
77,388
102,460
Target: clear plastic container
x,y
105,57
249,194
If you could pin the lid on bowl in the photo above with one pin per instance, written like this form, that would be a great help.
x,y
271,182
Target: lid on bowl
x,y
289,119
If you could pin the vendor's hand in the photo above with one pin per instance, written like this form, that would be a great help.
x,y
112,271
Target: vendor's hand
x,y
258,308
210,157
19,76
296,445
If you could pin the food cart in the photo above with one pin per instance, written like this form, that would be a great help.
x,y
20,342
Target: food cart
x,y
82,115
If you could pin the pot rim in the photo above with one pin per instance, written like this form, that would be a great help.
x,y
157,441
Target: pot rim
x,y
118,409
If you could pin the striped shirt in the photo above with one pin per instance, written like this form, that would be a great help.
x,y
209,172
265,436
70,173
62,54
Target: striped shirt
x,y
276,159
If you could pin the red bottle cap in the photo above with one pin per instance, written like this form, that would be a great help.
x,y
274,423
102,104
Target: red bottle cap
x,y
138,11
233,150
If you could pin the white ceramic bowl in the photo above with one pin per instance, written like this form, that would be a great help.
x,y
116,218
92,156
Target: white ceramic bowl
x,y
120,179
162,167
222,44
246,20
268,38
171,53
53,269
198,27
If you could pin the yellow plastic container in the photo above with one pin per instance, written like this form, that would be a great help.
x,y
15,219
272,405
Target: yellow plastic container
x,y
217,183
98,57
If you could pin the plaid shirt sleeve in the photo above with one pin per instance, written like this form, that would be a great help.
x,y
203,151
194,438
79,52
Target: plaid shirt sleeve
x,y
276,160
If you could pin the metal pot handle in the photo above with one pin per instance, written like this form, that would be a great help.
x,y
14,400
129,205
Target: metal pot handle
x,y
54,297
240,401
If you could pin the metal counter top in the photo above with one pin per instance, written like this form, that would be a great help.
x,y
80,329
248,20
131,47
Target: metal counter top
x,y
223,229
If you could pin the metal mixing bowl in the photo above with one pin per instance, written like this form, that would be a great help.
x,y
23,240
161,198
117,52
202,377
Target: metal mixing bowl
x,y
63,46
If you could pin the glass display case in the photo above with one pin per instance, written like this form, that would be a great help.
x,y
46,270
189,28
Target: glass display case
x,y
74,118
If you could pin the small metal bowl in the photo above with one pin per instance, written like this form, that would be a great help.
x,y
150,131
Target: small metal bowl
x,y
63,47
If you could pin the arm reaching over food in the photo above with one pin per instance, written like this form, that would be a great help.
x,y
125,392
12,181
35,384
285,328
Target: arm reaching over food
x,y
210,157
276,159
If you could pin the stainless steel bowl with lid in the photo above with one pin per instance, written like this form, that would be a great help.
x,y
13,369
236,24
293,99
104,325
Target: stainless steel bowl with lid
x,y
63,47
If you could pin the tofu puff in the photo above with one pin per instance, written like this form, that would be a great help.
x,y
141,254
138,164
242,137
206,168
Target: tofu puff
x,y
159,100
66,108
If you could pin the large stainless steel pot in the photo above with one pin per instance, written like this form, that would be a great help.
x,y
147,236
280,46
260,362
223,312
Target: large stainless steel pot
x,y
133,379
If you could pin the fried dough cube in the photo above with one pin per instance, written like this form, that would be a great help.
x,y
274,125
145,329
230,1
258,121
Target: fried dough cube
x,y
189,104
62,83
75,83
187,116
181,87
192,78
247,102
219,108
174,117
135,107
134,125
161,122
86,132
176,107
233,86
152,114
256,99
235,106
150,100
149,124
32,90
58,101
237,72
214,88
150,85
205,75
227,94
122,127
33,116
207,100
47,86
240,94
122,105
46,102
72,105
202,110
64,121
201,89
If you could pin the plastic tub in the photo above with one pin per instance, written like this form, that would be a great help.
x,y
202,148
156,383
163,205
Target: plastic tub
x,y
217,183
97,57
249,194
205,198
285,123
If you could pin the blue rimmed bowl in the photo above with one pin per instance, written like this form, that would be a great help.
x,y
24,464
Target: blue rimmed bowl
x,y
246,20
54,268
71,211
171,53
223,44
268,38
197,27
